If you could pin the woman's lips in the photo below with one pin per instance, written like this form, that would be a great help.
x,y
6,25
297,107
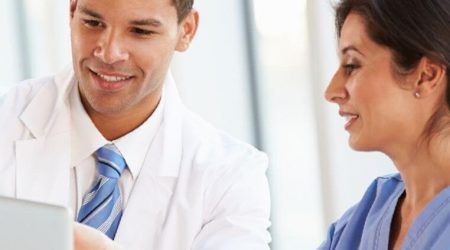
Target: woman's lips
x,y
349,117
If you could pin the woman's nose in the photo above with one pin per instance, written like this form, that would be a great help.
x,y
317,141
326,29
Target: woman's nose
x,y
336,91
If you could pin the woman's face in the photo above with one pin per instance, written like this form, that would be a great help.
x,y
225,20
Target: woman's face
x,y
370,97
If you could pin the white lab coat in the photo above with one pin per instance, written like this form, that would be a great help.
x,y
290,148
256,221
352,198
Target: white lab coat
x,y
198,188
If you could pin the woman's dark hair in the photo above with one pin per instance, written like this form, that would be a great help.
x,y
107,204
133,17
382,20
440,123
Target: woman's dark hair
x,y
412,29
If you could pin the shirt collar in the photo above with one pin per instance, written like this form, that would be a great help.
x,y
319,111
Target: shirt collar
x,y
86,138
135,145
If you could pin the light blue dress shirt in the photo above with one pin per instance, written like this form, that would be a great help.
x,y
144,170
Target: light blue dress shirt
x,y
367,224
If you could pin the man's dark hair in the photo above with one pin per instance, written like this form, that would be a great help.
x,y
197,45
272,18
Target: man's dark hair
x,y
183,7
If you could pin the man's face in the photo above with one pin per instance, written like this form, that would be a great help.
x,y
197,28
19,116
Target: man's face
x,y
121,52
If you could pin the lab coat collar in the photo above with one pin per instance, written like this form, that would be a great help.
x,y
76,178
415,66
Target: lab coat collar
x,y
165,152
157,177
164,155
39,115
43,159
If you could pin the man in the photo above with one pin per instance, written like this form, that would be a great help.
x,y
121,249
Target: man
x,y
111,139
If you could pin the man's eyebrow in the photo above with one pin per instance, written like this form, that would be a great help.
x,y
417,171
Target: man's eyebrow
x,y
147,22
90,12
141,22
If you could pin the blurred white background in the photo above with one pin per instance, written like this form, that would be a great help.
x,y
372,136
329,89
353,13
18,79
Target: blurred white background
x,y
257,69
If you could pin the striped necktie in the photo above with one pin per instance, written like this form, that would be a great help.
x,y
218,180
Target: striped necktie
x,y
102,205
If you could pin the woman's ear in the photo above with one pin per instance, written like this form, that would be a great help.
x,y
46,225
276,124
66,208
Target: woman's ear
x,y
429,77
188,29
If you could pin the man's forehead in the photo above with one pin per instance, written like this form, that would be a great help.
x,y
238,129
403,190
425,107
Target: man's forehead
x,y
129,2
137,12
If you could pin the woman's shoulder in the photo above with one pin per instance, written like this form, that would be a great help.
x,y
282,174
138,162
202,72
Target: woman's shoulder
x,y
391,179
383,187
380,192
376,198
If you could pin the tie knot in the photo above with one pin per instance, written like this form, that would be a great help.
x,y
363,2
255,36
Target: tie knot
x,y
110,161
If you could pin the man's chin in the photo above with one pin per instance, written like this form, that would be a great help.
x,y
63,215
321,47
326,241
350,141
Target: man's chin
x,y
107,105
108,108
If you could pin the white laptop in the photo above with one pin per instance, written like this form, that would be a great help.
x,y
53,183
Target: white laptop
x,y
26,225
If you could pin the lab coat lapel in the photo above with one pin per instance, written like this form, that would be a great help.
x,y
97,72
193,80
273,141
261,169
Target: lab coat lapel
x,y
43,169
43,160
145,213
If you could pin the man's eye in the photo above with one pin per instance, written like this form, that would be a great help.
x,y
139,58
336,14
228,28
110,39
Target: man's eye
x,y
142,32
93,23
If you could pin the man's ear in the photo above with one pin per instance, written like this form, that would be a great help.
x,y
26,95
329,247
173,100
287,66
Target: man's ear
x,y
429,76
73,7
188,29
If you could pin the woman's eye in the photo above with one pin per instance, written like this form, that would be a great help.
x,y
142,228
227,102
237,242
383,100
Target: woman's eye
x,y
140,31
93,23
349,68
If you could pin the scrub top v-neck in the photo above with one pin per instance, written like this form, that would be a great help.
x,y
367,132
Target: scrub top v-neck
x,y
367,224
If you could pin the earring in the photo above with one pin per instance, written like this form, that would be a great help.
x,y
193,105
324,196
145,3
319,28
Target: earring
x,y
417,94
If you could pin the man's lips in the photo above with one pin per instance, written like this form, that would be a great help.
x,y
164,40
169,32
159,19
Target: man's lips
x,y
111,76
110,81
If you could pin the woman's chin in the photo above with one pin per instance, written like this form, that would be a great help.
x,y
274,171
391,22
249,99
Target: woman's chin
x,y
359,145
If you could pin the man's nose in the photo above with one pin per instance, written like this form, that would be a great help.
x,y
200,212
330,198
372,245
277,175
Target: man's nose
x,y
111,48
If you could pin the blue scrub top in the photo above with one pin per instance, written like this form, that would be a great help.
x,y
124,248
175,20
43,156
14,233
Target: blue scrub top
x,y
368,223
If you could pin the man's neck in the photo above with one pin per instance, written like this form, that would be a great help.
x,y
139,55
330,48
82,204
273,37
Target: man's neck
x,y
115,125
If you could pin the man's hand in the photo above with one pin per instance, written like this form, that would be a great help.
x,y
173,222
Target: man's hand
x,y
87,238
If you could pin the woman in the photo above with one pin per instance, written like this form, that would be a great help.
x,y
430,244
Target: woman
x,y
393,88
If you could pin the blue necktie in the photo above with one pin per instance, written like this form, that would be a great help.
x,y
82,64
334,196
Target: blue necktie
x,y
102,205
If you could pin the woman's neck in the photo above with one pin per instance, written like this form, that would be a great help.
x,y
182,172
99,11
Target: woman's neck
x,y
425,170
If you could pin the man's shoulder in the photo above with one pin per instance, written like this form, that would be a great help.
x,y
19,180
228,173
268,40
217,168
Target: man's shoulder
x,y
19,96
214,147
25,91
13,105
